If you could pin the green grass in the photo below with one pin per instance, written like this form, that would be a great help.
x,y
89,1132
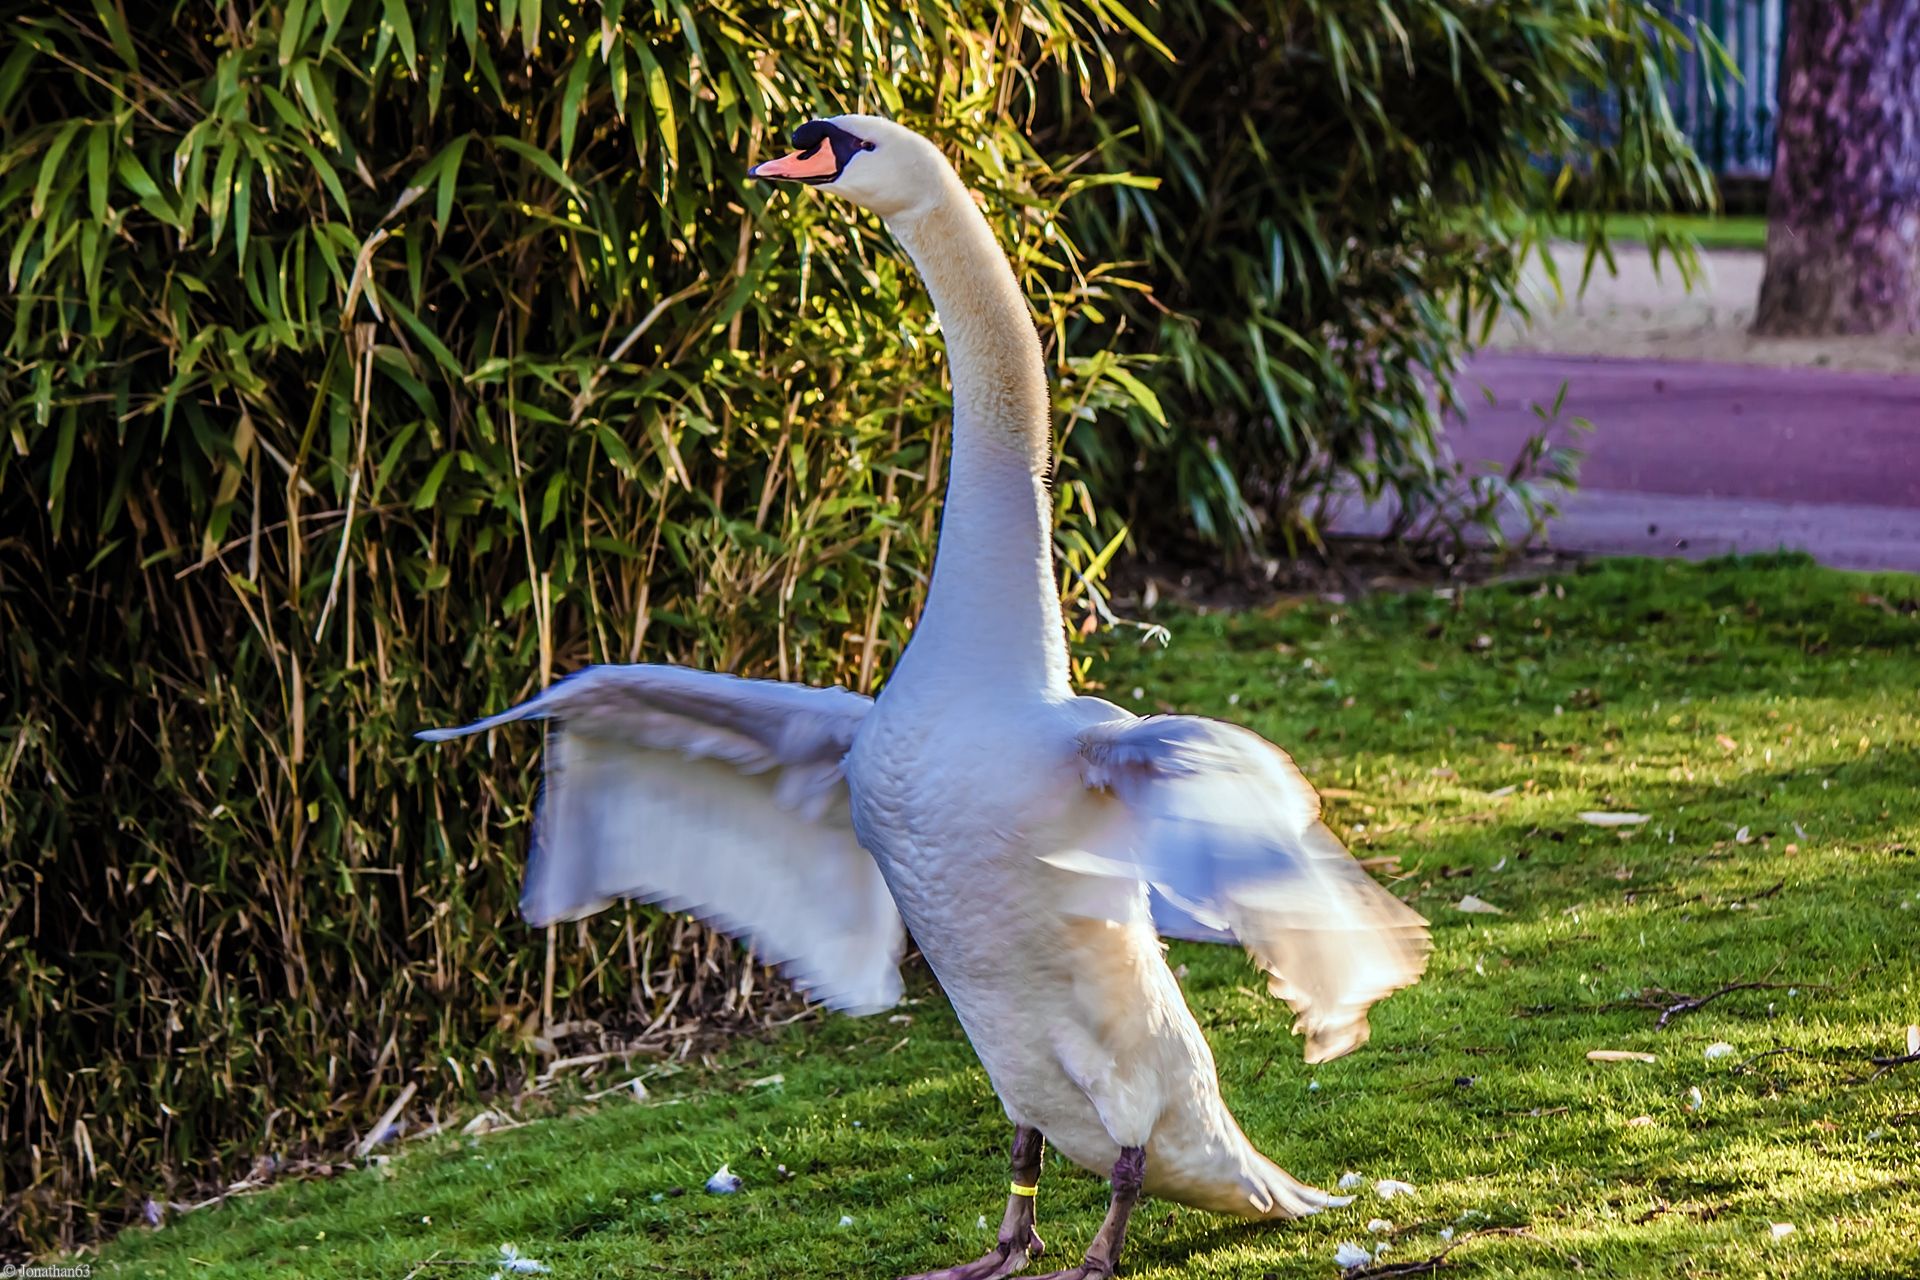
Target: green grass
x,y
1746,231
1764,713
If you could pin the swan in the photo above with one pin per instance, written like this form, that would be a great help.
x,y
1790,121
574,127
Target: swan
x,y
1037,843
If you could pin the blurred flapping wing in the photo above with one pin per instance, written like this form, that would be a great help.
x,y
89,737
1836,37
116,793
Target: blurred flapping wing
x,y
1227,832
716,796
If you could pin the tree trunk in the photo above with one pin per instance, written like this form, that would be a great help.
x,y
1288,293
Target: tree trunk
x,y
1843,239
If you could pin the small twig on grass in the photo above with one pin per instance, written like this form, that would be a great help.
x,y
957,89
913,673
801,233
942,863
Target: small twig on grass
x,y
1418,1267
1912,1054
1885,1064
1653,996
418,1267
1888,1064
1263,1068
1427,1266
1740,1068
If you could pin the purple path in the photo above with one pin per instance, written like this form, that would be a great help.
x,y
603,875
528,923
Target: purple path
x,y
1697,460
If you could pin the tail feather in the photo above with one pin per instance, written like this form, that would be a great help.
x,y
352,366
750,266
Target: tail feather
x,y
1249,1186
1272,1192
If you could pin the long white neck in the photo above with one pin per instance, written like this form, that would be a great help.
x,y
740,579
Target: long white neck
x,y
992,608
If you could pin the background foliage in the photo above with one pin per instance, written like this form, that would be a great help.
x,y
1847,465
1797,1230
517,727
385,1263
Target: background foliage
x,y
367,363
1350,190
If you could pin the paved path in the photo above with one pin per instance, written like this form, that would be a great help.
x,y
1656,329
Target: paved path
x,y
1693,459
1646,311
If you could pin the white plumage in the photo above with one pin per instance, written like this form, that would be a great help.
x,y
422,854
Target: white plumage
x,y
1228,833
717,796
1036,843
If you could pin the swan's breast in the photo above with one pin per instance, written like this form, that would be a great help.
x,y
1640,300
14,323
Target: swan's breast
x,y
952,800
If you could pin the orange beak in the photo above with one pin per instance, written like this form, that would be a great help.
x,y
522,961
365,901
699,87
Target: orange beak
x,y
816,162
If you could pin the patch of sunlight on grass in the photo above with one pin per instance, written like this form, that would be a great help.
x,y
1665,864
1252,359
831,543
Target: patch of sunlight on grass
x,y
1764,714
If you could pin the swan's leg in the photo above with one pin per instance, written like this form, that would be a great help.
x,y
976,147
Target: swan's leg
x,y
1019,1242
1129,1171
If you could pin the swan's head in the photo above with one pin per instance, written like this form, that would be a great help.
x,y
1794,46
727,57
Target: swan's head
x,y
875,163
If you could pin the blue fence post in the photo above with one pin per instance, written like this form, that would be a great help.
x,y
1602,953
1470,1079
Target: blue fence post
x,y
1731,123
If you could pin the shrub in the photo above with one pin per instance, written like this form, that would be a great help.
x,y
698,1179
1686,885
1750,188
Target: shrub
x,y
368,363
1350,188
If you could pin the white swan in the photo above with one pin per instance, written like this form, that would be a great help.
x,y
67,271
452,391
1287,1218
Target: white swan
x,y
1028,837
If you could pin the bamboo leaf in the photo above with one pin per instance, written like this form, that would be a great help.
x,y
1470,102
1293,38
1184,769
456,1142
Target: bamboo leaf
x,y
690,31
62,462
50,164
115,26
430,487
661,95
13,71
530,26
617,77
222,194
466,20
427,338
292,30
1118,11
1141,393
576,89
447,180
242,211
539,160
401,25
324,171
99,159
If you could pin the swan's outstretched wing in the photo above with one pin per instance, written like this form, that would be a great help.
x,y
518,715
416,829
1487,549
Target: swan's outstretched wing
x,y
1228,833
717,796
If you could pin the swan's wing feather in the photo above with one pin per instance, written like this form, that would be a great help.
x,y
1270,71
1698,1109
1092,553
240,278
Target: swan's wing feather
x,y
1228,834
716,796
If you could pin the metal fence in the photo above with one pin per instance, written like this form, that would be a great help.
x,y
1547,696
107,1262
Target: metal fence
x,y
1731,121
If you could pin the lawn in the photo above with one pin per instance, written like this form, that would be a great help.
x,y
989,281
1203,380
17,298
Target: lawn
x,y
1744,231
1762,714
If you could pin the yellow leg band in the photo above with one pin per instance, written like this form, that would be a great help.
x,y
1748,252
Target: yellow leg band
x,y
1019,1190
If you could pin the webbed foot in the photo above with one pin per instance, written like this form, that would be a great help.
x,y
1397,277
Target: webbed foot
x,y
1019,1243
1009,1258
